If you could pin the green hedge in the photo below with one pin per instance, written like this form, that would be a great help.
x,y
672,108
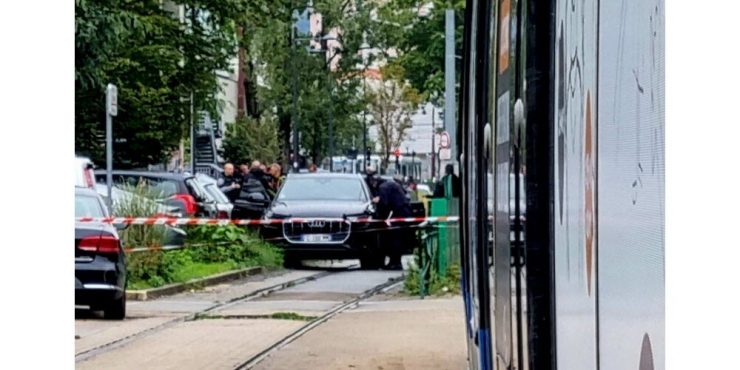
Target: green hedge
x,y
209,250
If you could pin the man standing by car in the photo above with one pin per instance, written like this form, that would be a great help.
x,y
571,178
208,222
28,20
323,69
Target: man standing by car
x,y
229,183
392,202
373,180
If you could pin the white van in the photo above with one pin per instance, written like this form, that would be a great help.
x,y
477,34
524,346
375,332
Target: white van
x,y
84,175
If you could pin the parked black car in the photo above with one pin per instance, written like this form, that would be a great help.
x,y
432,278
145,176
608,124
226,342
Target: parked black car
x,y
344,197
100,265
181,190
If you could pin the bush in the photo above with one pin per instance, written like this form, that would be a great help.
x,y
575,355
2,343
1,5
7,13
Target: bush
x,y
208,248
232,243
140,203
436,284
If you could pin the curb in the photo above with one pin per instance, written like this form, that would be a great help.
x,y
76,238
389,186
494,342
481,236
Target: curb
x,y
147,294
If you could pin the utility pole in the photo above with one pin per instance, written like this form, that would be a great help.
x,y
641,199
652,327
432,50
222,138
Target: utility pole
x,y
193,20
294,80
330,84
449,119
365,61
331,124
433,144
111,108
365,149
192,132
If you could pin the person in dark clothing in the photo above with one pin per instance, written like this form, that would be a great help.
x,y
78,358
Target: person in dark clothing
x,y
257,180
257,173
439,189
373,181
243,170
230,183
391,202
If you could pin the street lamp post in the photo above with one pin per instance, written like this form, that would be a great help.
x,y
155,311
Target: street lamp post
x,y
294,90
364,117
433,144
301,27
365,61
330,84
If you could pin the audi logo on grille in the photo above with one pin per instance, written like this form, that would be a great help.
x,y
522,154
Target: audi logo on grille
x,y
316,223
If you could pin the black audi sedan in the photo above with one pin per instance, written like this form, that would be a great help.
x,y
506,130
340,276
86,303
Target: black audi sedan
x,y
305,201
100,265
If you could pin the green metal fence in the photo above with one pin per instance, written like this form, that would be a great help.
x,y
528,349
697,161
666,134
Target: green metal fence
x,y
440,247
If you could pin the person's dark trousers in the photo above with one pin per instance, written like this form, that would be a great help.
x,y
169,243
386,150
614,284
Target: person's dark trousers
x,y
394,247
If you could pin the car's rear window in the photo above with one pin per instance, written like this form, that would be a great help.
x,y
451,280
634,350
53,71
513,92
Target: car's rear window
x,y
213,190
87,206
322,188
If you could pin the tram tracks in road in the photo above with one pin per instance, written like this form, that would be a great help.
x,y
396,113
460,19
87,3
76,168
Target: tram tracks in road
x,y
312,324
259,293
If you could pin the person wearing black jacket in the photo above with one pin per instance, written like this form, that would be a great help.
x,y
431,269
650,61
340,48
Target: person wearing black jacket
x,y
391,202
373,181
257,176
229,183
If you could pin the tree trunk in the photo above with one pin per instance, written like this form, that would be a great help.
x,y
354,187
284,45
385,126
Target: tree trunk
x,y
284,130
251,90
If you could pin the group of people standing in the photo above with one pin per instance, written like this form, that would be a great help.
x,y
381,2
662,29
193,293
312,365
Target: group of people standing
x,y
256,175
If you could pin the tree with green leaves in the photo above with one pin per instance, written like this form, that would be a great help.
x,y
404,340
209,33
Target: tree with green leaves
x,y
323,94
412,35
157,61
250,138
392,103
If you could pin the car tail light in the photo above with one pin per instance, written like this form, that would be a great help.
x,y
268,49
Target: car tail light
x,y
99,244
191,206
223,215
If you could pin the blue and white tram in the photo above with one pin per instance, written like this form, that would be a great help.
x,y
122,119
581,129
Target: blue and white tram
x,y
561,130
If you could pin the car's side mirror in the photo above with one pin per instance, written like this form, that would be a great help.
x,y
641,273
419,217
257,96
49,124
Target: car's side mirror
x,y
121,227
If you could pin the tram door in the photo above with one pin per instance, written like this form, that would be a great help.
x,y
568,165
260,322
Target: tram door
x,y
506,103
474,301
493,186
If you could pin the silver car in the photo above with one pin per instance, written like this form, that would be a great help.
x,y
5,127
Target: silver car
x,y
223,205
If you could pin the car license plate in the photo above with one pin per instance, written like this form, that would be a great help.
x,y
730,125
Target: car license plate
x,y
314,238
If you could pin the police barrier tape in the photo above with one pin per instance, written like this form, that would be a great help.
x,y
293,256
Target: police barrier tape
x,y
425,226
172,221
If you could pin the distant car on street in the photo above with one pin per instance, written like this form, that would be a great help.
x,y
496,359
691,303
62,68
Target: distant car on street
x,y
342,197
176,189
100,265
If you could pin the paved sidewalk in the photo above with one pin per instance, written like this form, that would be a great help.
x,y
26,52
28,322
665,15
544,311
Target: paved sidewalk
x,y
386,333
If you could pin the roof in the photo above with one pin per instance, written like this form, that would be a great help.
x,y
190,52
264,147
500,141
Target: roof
x,y
161,175
85,191
336,175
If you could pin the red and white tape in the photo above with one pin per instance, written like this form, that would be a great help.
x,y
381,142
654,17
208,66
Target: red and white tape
x,y
211,221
